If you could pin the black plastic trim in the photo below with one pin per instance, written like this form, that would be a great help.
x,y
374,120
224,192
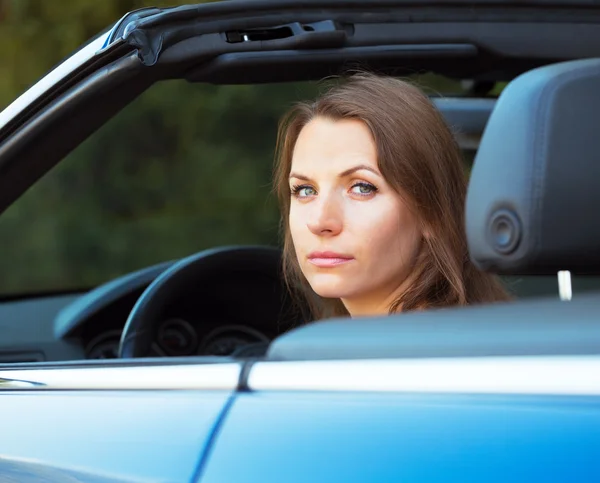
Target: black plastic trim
x,y
113,53
472,10
133,16
499,50
155,33
284,65
243,385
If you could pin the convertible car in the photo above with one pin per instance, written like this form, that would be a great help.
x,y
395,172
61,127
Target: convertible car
x,y
201,369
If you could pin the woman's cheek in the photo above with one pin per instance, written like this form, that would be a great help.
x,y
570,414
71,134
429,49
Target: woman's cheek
x,y
372,214
297,224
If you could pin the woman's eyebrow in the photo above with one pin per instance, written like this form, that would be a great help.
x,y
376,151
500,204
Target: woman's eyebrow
x,y
350,171
343,174
299,176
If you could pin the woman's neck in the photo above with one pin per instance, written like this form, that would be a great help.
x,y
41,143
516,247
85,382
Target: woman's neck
x,y
376,304
379,302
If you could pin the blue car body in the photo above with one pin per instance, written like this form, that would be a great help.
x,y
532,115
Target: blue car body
x,y
290,435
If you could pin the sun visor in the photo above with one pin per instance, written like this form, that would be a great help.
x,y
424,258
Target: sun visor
x,y
533,199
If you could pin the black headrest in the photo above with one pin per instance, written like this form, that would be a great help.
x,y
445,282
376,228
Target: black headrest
x,y
534,195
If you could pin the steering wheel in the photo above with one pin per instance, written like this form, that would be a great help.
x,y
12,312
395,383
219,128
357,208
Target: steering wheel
x,y
198,270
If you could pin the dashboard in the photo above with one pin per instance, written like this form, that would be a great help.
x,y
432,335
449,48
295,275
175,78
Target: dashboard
x,y
178,337
237,313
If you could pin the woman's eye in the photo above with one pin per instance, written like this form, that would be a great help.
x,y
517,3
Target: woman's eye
x,y
363,189
303,191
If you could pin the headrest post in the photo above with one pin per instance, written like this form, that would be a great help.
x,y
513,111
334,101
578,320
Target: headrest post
x,y
565,291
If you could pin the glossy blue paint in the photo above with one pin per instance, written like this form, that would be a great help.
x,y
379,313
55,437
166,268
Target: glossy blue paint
x,y
95,436
350,437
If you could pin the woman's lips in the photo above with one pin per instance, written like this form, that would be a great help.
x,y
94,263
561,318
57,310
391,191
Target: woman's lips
x,y
328,259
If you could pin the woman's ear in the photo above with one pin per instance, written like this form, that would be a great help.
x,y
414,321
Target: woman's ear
x,y
426,233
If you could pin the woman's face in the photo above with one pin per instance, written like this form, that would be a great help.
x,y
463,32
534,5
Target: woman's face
x,y
355,238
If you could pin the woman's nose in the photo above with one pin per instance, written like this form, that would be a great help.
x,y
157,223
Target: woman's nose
x,y
327,217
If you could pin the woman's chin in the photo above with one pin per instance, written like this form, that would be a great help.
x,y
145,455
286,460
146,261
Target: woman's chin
x,y
331,289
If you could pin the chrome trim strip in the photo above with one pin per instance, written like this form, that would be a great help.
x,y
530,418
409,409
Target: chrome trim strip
x,y
17,384
53,78
560,375
167,377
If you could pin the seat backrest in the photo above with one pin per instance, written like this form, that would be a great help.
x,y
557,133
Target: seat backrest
x,y
533,199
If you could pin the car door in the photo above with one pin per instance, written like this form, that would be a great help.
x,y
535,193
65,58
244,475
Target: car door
x,y
505,393
357,436
111,421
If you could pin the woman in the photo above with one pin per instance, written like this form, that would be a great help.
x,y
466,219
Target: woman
x,y
372,191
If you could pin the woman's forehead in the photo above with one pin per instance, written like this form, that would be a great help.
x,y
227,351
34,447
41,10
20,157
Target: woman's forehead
x,y
325,144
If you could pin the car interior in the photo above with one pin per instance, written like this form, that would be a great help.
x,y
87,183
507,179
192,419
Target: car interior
x,y
200,318
209,283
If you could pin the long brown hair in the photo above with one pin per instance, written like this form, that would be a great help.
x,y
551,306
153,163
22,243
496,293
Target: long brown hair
x,y
421,160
